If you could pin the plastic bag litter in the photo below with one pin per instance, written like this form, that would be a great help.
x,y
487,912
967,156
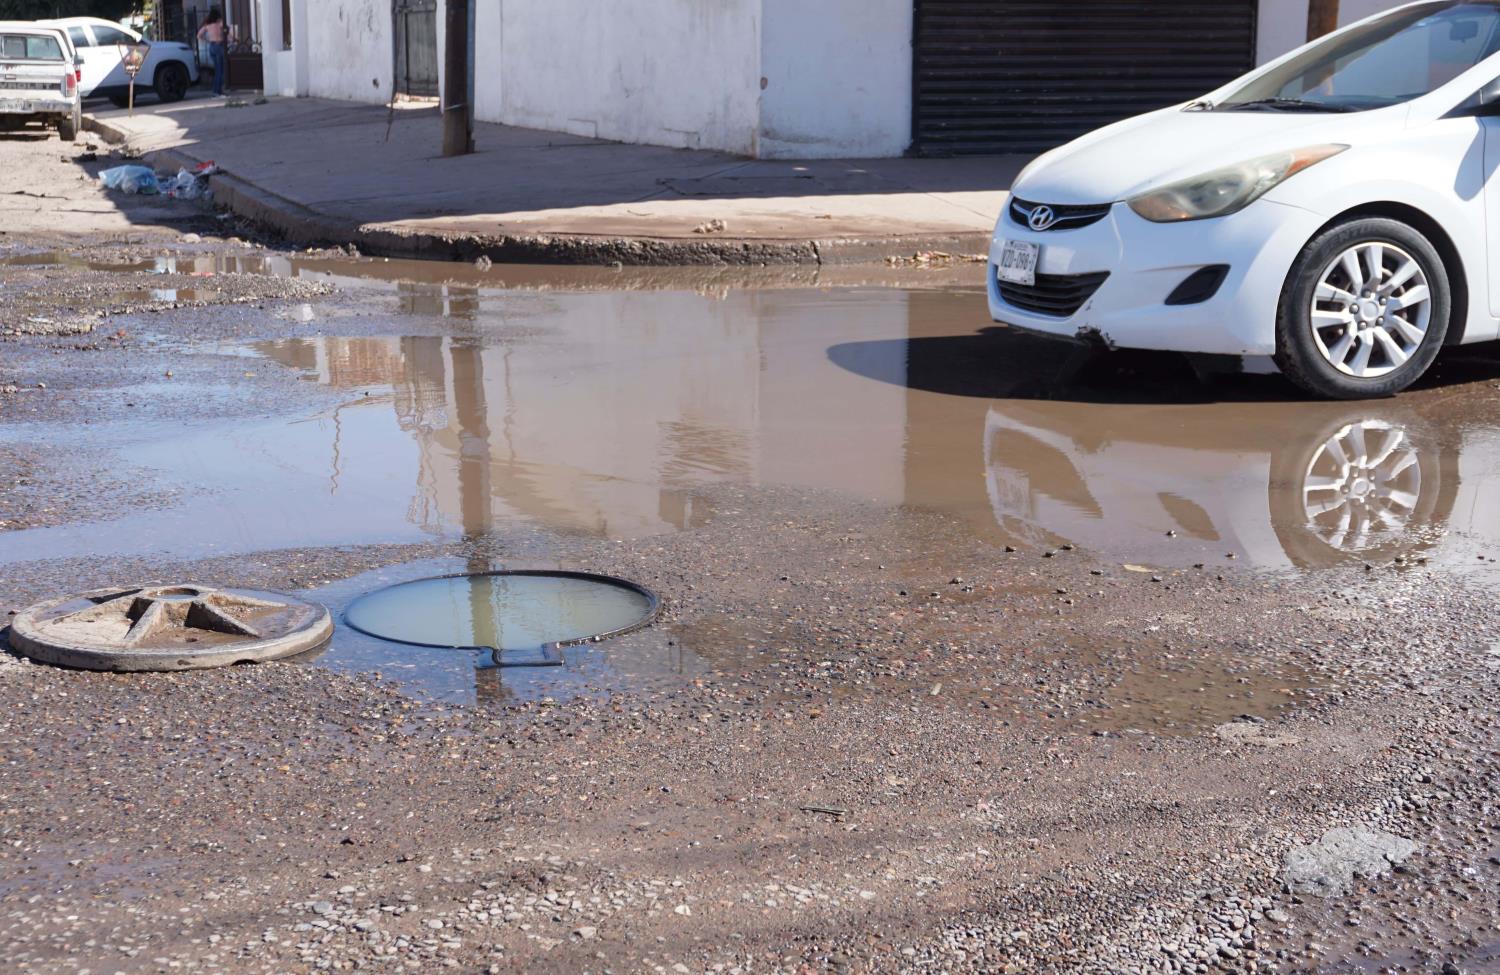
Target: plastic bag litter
x,y
184,186
130,179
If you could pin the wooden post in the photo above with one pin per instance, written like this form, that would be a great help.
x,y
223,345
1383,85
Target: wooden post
x,y
457,112
1322,18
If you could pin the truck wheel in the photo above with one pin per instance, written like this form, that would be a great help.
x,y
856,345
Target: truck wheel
x,y
1364,310
171,82
67,129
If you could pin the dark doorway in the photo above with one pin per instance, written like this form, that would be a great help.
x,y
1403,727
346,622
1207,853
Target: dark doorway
x,y
1022,76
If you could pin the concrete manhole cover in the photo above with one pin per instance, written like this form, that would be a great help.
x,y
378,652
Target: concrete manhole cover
x,y
184,627
505,611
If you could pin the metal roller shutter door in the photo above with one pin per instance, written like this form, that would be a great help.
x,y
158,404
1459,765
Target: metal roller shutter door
x,y
1010,76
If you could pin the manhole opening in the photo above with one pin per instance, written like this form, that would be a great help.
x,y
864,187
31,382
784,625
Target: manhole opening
x,y
522,618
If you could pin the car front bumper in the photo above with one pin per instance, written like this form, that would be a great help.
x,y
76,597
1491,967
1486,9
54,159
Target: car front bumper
x,y
1146,261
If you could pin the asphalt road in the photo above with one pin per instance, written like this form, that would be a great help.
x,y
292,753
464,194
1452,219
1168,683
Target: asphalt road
x,y
925,696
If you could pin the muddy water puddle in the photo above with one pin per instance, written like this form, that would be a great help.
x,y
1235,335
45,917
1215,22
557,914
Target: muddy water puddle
x,y
616,414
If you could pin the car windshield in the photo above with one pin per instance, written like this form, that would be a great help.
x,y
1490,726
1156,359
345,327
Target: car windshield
x,y
1390,60
30,47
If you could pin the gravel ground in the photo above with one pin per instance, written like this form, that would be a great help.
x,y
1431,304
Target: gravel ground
x,y
908,751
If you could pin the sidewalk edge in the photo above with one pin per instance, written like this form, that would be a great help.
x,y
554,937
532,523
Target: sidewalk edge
x,y
307,227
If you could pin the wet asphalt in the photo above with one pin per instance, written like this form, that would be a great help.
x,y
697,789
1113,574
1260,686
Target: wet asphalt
x,y
978,653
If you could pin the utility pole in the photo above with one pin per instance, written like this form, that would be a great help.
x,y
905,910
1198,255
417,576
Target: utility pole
x,y
458,109
1322,18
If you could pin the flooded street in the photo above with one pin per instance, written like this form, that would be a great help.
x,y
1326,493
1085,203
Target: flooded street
x,y
976,651
613,413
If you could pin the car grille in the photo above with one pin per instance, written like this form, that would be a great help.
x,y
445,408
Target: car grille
x,y
1068,216
1058,295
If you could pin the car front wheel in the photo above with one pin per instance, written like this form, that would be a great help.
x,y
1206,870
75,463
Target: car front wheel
x,y
171,82
1364,310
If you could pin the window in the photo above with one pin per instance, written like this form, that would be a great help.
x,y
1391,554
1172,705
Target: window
x,y
110,36
31,47
80,38
1406,54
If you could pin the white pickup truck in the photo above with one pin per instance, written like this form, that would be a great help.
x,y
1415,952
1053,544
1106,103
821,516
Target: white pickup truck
x,y
38,79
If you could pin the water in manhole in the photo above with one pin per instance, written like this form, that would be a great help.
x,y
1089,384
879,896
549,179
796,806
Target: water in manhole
x,y
525,615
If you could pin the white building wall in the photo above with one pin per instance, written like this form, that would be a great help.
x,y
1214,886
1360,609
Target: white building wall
x,y
681,73
1280,26
279,64
489,98
351,43
835,78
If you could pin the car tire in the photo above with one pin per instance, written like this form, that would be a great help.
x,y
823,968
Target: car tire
x,y
67,129
1364,310
171,82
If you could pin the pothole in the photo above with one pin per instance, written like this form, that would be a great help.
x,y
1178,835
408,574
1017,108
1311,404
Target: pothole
x,y
522,618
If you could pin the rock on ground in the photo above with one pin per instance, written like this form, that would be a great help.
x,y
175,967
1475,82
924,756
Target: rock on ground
x,y
1328,867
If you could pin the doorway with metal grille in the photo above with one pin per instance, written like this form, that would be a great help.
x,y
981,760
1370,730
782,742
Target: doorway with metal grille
x,y
1022,76
416,48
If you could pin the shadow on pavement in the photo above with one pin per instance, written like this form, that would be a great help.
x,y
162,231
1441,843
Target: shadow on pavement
x,y
1002,363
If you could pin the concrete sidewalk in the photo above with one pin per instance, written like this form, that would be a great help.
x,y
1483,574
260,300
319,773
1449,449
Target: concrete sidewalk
x,y
338,172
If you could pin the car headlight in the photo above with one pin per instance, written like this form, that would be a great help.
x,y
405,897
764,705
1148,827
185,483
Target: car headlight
x,y
1227,190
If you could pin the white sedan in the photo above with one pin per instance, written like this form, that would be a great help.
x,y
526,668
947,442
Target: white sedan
x,y
170,68
1337,209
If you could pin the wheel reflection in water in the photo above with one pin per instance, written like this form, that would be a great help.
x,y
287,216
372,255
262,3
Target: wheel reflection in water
x,y
1362,486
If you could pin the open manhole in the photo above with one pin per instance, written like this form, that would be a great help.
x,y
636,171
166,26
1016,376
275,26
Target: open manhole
x,y
185,627
525,615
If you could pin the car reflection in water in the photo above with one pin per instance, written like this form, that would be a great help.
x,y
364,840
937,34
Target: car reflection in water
x,y
1297,486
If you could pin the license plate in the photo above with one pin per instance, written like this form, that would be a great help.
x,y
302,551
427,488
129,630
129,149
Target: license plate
x,y
1018,261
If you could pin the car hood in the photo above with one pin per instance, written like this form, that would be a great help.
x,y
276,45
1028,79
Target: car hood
x,y
1130,157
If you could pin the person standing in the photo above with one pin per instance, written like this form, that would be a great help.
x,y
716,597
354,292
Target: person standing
x,y
213,32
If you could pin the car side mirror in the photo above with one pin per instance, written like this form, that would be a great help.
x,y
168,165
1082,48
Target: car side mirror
x,y
1484,103
1489,95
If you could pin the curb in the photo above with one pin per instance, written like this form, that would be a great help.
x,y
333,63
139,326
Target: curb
x,y
307,227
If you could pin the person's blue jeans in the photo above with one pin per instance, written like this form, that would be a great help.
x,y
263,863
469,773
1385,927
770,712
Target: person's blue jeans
x,y
216,55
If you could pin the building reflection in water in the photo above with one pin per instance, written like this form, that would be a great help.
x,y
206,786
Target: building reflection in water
x,y
607,419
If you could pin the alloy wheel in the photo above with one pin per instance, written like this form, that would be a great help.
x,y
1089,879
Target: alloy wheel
x,y
1371,309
